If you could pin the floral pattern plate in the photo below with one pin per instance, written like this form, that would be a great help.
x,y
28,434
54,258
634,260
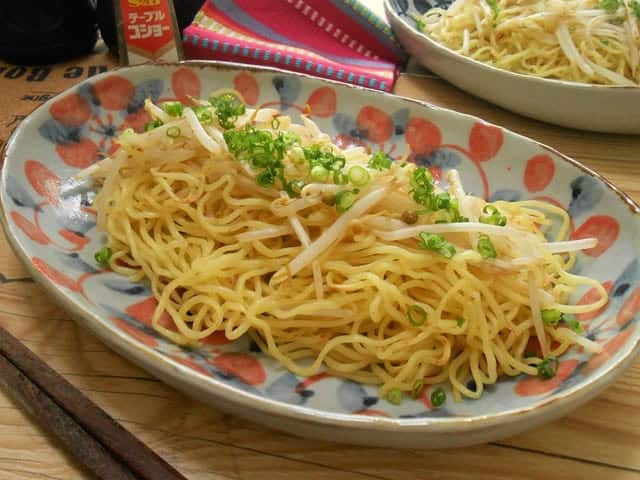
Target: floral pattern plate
x,y
56,237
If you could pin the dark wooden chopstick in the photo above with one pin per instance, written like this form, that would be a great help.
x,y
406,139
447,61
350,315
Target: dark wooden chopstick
x,y
92,436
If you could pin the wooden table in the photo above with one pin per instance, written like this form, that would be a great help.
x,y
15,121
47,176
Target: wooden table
x,y
599,440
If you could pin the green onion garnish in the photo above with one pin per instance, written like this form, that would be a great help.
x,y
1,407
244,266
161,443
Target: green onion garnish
x,y
203,113
438,397
319,174
103,256
460,321
345,199
485,247
416,315
493,217
635,6
228,109
294,187
416,389
380,161
610,5
275,123
394,396
423,193
548,368
437,243
551,317
152,124
494,6
174,109
575,326
264,152
359,176
340,178
173,132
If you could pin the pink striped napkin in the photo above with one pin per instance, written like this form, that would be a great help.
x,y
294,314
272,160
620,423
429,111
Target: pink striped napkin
x,y
338,39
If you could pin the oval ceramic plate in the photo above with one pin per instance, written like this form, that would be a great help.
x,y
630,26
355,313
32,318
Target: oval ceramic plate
x,y
56,238
583,106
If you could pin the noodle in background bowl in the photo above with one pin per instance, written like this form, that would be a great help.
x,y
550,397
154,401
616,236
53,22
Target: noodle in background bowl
x,y
55,237
599,108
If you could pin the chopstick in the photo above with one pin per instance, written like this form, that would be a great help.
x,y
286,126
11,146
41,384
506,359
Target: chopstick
x,y
89,433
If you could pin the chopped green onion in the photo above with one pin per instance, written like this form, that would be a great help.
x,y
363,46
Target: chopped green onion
x,y
485,247
635,6
103,256
496,9
294,187
610,5
359,176
297,154
345,199
394,396
420,25
228,109
575,326
530,354
493,217
416,389
319,174
551,317
438,397
548,368
263,151
380,161
275,123
174,109
460,321
203,113
416,315
340,178
423,193
152,124
437,243
173,132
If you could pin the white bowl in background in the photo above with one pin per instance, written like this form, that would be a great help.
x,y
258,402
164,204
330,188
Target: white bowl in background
x,y
599,108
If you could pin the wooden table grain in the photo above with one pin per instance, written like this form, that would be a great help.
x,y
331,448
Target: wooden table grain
x,y
599,440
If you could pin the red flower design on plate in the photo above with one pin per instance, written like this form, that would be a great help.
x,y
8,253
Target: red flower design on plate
x,y
241,365
602,227
248,86
536,386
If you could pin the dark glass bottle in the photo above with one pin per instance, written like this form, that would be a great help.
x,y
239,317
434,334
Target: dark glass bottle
x,y
46,31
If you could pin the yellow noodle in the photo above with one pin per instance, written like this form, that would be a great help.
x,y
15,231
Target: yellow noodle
x,y
175,224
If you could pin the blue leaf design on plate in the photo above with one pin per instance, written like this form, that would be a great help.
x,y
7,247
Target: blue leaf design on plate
x,y
624,281
147,89
444,158
75,221
506,194
74,262
86,91
400,120
288,89
18,194
346,125
284,389
586,192
126,287
56,132
353,397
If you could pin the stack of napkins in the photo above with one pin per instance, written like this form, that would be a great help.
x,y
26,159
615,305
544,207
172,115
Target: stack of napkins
x,y
338,39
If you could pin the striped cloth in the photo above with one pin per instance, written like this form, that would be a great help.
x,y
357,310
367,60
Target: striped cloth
x,y
338,39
